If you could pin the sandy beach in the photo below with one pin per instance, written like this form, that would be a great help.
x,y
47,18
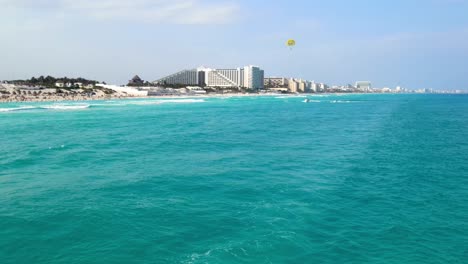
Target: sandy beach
x,y
17,99
58,98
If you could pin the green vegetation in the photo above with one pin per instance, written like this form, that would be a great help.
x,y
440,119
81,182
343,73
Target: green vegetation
x,y
138,82
49,81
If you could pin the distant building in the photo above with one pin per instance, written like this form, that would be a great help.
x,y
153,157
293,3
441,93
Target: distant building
x,y
185,77
253,77
300,86
124,90
60,84
196,90
314,87
293,86
250,77
363,86
386,90
304,86
136,81
321,87
275,82
224,78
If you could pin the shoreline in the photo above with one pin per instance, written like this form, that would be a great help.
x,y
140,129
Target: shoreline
x,y
63,99
58,99
103,98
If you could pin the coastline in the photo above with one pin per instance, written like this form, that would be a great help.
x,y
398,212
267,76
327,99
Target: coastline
x,y
62,99
102,98
58,99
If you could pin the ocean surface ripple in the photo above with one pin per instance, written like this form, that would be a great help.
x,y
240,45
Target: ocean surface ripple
x,y
343,179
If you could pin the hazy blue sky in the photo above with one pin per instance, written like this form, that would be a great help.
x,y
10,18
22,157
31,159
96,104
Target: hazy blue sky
x,y
414,43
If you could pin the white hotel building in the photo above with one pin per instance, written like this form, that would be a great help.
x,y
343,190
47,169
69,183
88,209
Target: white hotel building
x,y
250,77
364,86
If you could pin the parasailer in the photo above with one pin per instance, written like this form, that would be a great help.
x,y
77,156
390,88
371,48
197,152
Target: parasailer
x,y
291,43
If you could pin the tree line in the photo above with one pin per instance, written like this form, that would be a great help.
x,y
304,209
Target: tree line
x,y
50,81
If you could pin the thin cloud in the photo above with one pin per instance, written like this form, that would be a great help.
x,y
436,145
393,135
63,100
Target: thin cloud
x,y
450,2
148,11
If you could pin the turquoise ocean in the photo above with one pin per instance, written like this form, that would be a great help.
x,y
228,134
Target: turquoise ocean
x,y
342,179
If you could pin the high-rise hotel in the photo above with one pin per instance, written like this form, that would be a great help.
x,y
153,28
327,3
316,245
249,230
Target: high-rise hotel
x,y
250,77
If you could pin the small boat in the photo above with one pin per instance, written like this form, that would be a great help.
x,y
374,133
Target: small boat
x,y
306,100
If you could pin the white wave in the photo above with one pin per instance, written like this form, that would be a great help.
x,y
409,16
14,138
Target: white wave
x,y
22,108
183,101
341,102
291,96
177,101
108,104
145,103
66,107
156,102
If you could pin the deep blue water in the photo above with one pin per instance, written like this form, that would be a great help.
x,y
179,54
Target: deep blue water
x,y
343,179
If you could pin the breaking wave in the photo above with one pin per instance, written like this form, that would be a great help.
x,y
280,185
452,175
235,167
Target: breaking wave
x,y
66,107
14,109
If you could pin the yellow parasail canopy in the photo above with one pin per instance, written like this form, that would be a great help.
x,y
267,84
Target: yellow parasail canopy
x,y
291,43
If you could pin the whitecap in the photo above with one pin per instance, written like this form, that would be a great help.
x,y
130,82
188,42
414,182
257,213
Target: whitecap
x,y
291,96
22,108
320,95
176,101
183,101
65,107
145,103
341,102
115,104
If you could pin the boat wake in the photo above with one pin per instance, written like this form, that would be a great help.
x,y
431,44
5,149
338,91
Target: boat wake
x,y
342,102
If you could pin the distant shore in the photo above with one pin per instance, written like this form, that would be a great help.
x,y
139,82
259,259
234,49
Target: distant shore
x,y
21,99
70,98
56,98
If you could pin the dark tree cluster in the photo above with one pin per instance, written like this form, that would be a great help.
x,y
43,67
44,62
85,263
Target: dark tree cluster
x,y
50,81
138,82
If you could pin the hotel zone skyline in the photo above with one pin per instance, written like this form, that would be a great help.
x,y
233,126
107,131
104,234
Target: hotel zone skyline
x,y
251,77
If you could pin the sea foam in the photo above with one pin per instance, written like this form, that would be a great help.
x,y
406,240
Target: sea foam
x,y
65,107
14,109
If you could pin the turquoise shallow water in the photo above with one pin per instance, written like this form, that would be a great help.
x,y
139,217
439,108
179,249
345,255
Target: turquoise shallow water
x,y
343,179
